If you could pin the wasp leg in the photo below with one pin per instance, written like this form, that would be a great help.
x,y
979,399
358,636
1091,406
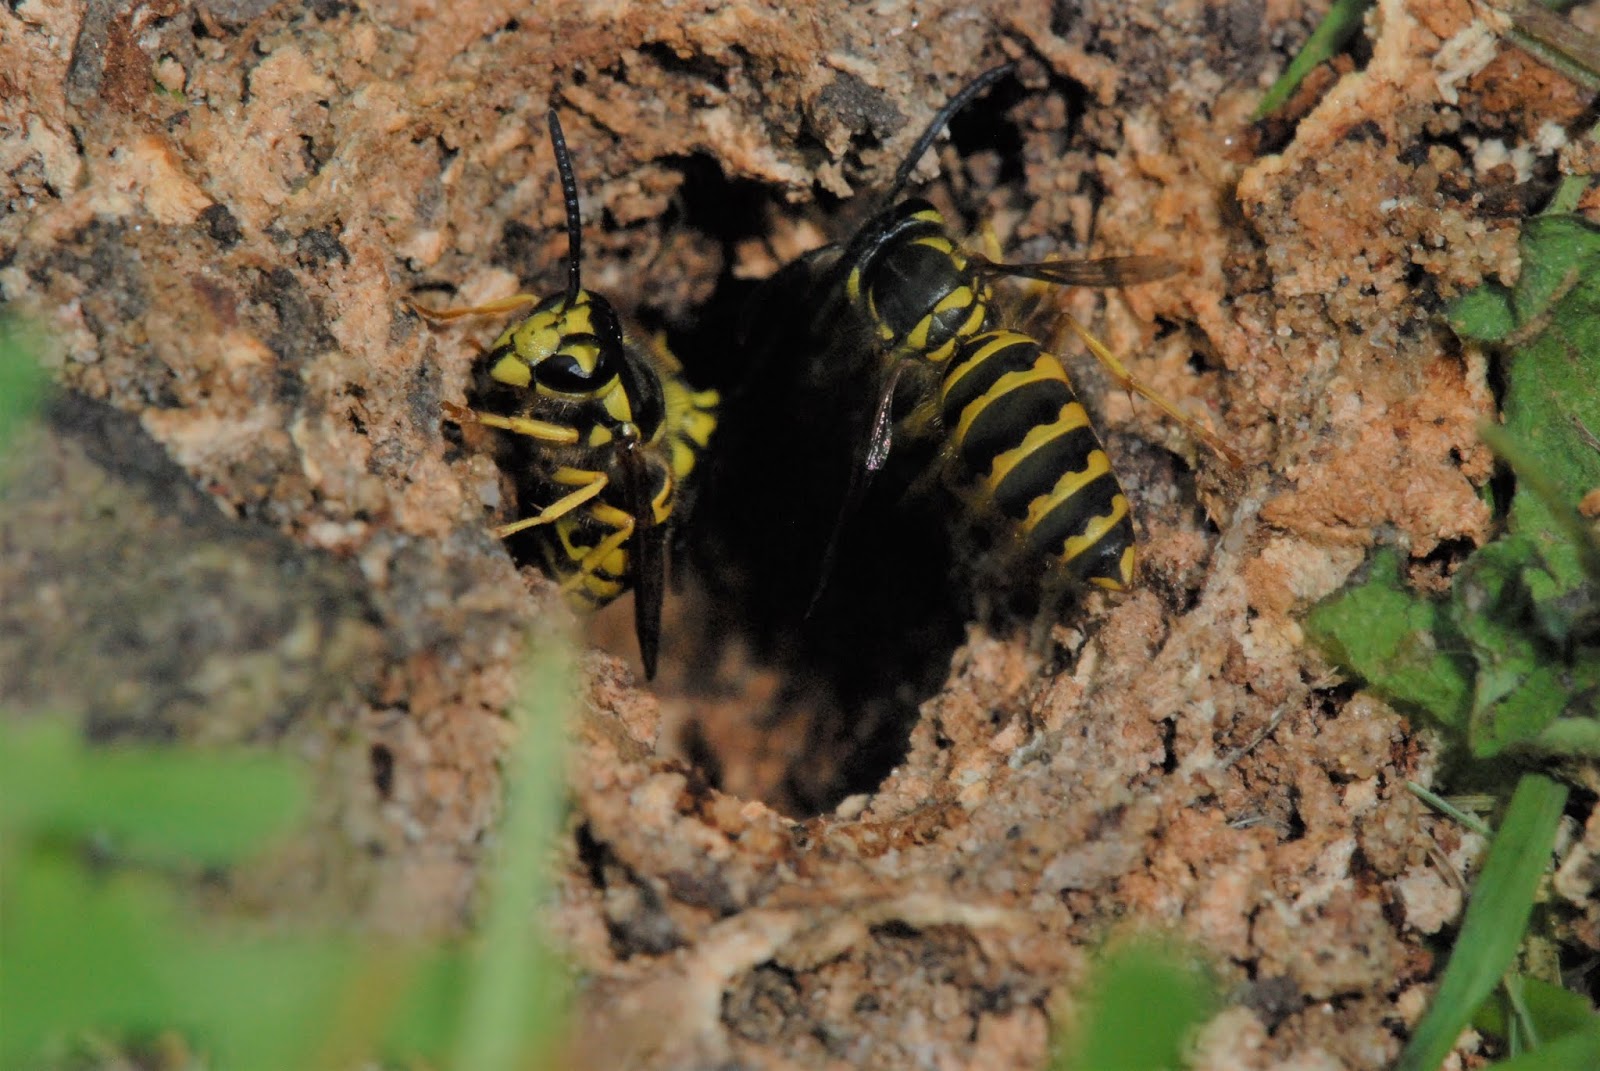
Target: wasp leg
x,y
559,508
647,606
493,308
542,430
621,533
1058,590
1126,380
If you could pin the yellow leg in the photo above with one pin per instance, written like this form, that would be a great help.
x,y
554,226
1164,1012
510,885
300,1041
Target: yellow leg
x,y
990,241
493,308
557,509
602,550
665,358
917,423
542,430
1126,380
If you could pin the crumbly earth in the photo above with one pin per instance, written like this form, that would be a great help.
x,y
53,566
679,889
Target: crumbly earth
x,y
251,524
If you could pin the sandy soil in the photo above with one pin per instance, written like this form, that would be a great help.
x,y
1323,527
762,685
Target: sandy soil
x,y
253,524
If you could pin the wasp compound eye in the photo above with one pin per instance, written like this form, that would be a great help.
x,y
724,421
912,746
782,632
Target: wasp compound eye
x,y
563,372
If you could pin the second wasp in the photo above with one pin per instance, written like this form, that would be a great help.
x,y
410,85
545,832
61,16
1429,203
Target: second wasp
x,y
892,365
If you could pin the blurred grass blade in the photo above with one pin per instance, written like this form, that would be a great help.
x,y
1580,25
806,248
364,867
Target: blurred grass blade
x,y
1326,41
22,381
1496,919
1450,810
515,987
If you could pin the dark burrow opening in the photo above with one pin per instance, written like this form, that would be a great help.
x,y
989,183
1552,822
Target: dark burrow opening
x,y
797,681
817,605
820,606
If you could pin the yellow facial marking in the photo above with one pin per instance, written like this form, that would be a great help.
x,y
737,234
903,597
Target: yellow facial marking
x,y
616,404
535,338
512,371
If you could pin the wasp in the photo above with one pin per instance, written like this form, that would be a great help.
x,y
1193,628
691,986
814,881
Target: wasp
x,y
606,430
910,320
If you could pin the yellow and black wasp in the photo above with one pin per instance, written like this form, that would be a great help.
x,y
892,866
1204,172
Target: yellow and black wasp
x,y
606,432
901,329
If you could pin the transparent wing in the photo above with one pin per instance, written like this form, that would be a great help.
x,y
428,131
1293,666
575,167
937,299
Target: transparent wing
x,y
1105,272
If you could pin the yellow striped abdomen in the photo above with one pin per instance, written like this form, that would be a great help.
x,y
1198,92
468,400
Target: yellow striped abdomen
x,y
1022,447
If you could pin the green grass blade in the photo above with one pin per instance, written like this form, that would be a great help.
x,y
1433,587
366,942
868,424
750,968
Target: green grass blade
x,y
516,989
1496,918
1450,810
1328,39
22,381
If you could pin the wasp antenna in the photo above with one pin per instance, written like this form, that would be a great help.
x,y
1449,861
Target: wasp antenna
x,y
569,192
967,94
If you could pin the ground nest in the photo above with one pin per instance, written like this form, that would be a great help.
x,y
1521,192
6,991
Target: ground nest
x,y
254,524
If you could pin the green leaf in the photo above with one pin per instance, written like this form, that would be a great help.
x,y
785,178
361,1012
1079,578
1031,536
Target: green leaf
x,y
1404,647
1527,607
1575,1052
1543,696
112,952
1526,1012
1551,406
1523,683
1496,917
144,803
1573,737
1559,257
1484,314
1140,1008
1548,1010
77,953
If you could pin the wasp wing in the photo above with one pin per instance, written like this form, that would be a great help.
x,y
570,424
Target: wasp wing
x,y
1105,272
646,553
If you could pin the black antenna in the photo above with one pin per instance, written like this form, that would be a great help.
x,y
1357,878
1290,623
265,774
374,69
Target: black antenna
x,y
569,191
957,102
